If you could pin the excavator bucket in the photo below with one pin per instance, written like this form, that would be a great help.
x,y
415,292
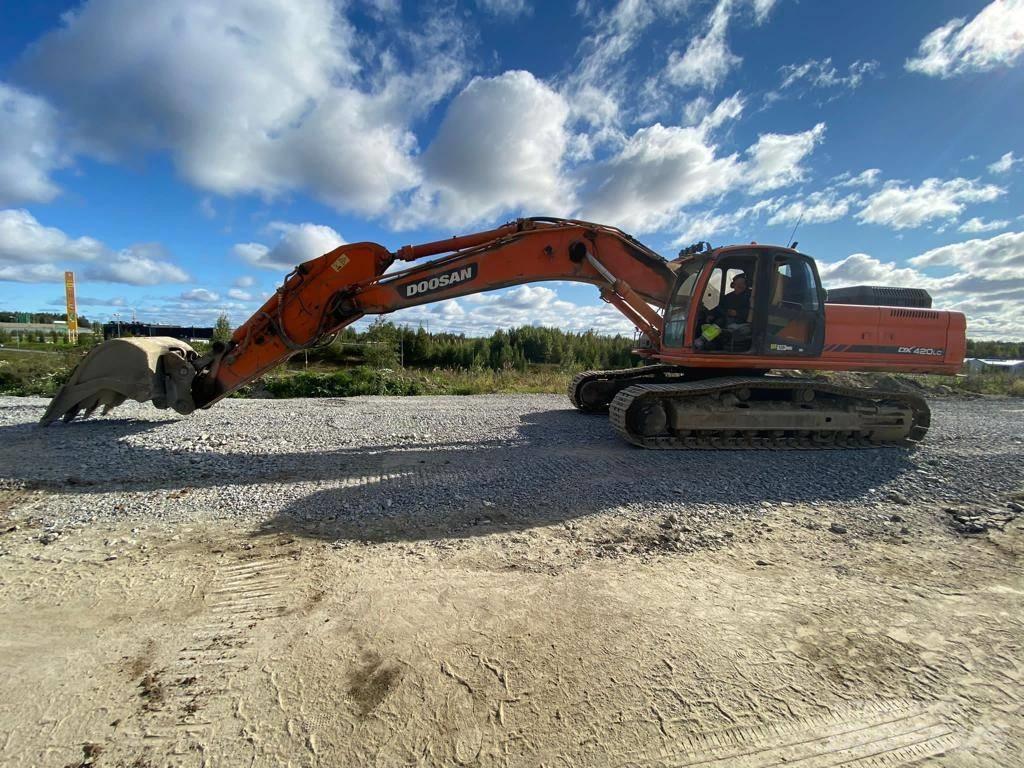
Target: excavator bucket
x,y
156,368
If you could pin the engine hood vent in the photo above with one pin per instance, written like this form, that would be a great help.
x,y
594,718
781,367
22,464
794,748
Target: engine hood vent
x,y
880,296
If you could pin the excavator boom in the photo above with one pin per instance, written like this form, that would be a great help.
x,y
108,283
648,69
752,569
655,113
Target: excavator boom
x,y
322,296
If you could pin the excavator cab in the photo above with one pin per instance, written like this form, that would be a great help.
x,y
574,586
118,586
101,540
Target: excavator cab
x,y
784,306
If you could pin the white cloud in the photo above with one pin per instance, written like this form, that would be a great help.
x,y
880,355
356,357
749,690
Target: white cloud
x,y
775,158
994,254
363,175
194,78
862,269
661,170
521,297
239,295
867,178
89,301
31,273
727,109
506,8
500,147
482,314
29,148
702,226
255,254
143,264
33,253
762,8
986,282
201,313
602,75
993,38
598,108
984,279
249,96
815,208
977,224
269,97
990,300
608,70
383,9
201,295
1004,163
245,281
23,240
707,59
822,73
696,110
296,243
902,207
830,203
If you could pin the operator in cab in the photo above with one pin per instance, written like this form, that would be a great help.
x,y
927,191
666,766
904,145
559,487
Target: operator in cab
x,y
732,314
734,308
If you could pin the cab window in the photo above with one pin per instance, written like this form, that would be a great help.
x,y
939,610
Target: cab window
x,y
713,291
793,305
678,311
724,325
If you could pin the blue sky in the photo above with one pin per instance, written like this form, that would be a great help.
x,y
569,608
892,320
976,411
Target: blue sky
x,y
181,156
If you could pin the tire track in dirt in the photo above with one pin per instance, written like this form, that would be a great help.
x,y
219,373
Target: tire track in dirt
x,y
872,735
186,701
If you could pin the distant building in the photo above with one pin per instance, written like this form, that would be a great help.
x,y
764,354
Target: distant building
x,y
988,365
183,332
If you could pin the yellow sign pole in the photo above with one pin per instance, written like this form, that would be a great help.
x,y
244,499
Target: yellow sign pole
x,y
69,293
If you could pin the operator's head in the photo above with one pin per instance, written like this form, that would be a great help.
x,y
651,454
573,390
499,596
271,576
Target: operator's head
x,y
739,283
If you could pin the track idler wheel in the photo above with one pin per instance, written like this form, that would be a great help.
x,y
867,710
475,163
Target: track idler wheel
x,y
595,395
649,418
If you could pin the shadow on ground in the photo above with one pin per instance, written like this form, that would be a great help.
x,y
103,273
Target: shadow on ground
x,y
559,465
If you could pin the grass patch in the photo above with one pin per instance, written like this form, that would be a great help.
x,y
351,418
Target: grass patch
x,y
43,375
983,384
363,380
29,374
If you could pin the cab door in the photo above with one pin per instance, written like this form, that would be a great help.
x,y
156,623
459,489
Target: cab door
x,y
789,308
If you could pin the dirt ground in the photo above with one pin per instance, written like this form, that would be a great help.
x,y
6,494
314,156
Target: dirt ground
x,y
207,644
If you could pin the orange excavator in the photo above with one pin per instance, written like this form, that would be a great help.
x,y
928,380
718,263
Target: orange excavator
x,y
710,354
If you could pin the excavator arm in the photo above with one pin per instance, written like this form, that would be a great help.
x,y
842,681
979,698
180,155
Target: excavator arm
x,y
322,296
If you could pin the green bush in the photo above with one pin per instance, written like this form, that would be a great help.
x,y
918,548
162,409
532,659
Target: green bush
x,y
344,383
364,380
990,384
9,382
28,375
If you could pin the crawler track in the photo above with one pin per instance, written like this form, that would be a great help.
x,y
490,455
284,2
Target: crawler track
x,y
865,404
616,381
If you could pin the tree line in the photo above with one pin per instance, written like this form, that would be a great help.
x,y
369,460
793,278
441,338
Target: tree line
x,y
1000,350
385,344
44,337
41,317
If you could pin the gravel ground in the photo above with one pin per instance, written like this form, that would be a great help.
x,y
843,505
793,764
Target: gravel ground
x,y
500,581
430,466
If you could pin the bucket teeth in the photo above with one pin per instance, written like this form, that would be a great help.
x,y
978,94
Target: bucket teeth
x,y
122,369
